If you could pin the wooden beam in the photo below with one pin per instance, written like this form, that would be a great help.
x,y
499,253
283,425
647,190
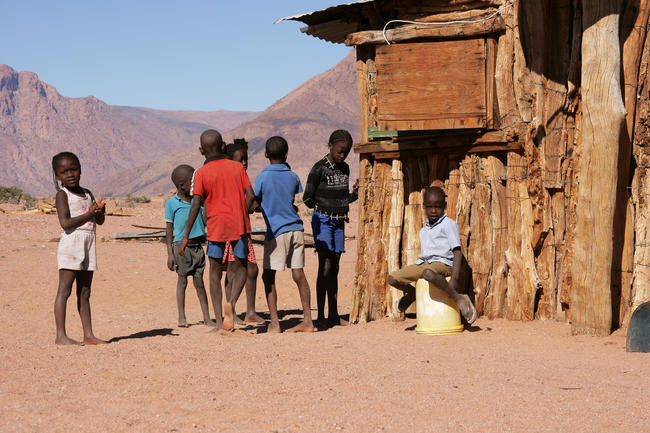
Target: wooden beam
x,y
490,83
603,121
419,31
487,142
388,150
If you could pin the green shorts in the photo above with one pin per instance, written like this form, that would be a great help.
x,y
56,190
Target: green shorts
x,y
411,273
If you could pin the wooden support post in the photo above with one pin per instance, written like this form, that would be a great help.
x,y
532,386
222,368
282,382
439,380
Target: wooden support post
x,y
604,115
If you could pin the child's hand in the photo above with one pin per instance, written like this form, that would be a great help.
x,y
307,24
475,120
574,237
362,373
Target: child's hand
x,y
181,247
355,188
101,206
171,263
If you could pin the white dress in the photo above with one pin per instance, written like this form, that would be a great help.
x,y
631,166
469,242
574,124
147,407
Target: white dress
x,y
77,247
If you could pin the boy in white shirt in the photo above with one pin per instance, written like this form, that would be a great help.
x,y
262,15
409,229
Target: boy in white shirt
x,y
440,257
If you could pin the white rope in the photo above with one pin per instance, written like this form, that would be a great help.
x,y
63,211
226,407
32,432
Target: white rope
x,y
448,23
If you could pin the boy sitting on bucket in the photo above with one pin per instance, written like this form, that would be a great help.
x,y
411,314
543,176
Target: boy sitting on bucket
x,y
440,257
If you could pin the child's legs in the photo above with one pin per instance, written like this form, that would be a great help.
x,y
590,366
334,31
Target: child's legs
x,y
321,285
436,274
403,278
303,289
197,279
251,290
268,277
237,272
66,279
332,284
181,285
215,253
215,288
84,281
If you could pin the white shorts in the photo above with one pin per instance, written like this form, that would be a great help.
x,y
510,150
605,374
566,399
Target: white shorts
x,y
77,251
286,250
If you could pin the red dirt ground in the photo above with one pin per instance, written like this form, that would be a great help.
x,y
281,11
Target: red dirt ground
x,y
381,376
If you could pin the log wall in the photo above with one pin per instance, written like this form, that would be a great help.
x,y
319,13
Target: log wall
x,y
522,214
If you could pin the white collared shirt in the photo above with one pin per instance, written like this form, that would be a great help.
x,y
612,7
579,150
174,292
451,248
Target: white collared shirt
x,y
438,240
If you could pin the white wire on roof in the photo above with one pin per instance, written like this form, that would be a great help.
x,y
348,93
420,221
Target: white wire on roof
x,y
448,23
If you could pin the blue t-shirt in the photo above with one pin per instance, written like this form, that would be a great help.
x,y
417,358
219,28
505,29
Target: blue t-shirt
x,y
276,186
176,212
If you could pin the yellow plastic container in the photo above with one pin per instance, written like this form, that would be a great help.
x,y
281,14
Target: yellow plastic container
x,y
436,312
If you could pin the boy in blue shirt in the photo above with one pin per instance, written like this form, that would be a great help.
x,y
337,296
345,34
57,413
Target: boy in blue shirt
x,y
440,257
192,263
284,246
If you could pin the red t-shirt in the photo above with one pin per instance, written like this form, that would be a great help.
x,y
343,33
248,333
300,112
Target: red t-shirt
x,y
222,184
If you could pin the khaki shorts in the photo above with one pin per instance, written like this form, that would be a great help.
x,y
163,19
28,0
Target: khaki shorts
x,y
412,273
286,250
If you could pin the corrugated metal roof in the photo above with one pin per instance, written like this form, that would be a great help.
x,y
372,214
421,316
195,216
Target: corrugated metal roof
x,y
333,23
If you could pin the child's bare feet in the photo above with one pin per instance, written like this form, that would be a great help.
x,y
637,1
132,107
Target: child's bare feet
x,y
182,323
254,319
228,317
302,327
91,341
274,328
238,320
65,341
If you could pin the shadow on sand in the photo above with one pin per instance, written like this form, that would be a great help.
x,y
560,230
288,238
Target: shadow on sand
x,y
161,332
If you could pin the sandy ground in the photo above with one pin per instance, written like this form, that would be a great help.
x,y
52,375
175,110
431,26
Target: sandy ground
x,y
381,376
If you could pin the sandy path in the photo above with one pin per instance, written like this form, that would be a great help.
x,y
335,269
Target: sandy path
x,y
504,376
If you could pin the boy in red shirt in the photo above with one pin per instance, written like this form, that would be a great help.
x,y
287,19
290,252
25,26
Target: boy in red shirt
x,y
224,187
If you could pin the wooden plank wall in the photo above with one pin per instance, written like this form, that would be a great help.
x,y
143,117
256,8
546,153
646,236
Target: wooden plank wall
x,y
516,210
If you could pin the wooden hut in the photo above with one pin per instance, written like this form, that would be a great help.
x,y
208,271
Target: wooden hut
x,y
533,116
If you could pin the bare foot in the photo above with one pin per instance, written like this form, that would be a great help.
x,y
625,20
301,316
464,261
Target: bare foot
x,y
254,319
182,323
91,341
228,317
65,341
339,322
274,328
210,323
302,327
321,324
237,320
400,317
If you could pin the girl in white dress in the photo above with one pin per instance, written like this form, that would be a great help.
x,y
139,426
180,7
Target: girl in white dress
x,y
78,214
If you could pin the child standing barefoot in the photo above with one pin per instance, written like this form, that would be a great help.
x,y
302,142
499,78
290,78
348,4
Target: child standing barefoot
x,y
78,214
328,192
177,209
238,152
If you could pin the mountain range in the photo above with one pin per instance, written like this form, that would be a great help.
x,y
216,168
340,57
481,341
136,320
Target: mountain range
x,y
132,150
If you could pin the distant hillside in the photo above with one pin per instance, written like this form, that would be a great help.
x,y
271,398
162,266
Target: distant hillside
x,y
305,117
222,120
36,122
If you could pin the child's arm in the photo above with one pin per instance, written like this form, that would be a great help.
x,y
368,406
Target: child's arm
x,y
169,234
355,192
197,202
455,269
63,212
309,197
251,201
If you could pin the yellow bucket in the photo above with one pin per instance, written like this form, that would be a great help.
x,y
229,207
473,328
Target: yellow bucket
x,y
436,312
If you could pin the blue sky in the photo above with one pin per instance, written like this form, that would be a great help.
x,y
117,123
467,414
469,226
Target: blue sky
x,y
168,54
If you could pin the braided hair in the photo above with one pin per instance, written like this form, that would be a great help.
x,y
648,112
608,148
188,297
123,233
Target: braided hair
x,y
340,135
237,144
55,163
